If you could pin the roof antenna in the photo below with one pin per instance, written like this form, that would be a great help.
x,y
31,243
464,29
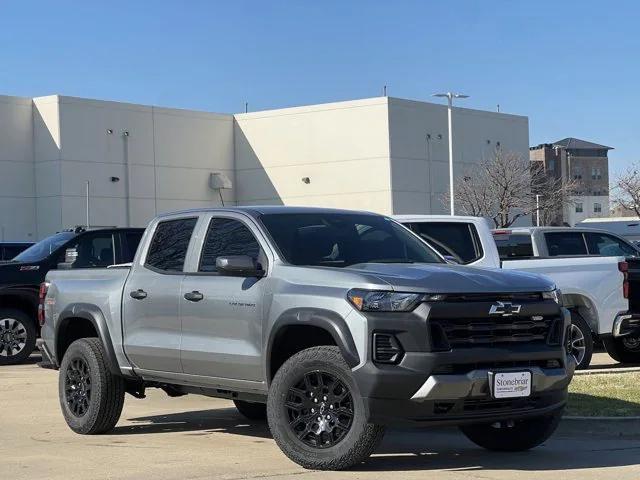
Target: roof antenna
x,y
384,91
246,107
498,108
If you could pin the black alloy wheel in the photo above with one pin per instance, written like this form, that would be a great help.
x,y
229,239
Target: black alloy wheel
x,y
77,387
320,409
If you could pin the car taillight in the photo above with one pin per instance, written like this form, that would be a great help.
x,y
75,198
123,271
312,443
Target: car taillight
x,y
44,287
624,268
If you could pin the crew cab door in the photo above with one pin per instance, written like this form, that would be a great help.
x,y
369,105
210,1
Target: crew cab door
x,y
151,299
222,314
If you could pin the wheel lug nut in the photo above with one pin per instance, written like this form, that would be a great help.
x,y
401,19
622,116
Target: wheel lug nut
x,y
315,400
319,419
324,398
313,410
331,407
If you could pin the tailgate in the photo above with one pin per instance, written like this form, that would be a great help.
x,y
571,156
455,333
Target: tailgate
x,y
634,284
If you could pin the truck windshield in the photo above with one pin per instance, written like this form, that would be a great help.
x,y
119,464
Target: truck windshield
x,y
44,248
341,240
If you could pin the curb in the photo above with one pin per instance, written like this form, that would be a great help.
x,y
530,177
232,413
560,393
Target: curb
x,y
606,371
603,419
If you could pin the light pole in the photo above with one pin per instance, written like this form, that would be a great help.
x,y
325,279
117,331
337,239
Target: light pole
x,y
450,96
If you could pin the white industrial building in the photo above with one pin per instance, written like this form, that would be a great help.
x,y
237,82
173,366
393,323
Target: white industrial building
x,y
383,154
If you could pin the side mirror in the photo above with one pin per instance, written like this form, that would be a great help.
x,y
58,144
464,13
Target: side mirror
x,y
70,256
239,265
451,259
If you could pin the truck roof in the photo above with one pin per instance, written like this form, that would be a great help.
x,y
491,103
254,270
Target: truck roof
x,y
444,218
257,210
531,230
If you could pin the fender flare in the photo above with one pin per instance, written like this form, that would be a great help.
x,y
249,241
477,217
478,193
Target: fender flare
x,y
94,315
328,320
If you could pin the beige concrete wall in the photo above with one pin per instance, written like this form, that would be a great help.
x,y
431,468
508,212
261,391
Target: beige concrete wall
x,y
341,147
17,179
418,136
162,157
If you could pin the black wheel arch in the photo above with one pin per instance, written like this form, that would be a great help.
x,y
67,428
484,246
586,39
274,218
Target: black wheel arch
x,y
24,299
73,323
320,320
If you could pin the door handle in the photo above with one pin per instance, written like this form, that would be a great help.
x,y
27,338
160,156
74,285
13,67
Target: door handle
x,y
194,296
138,294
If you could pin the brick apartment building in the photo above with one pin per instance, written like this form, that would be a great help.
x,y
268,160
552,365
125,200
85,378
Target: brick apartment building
x,y
587,163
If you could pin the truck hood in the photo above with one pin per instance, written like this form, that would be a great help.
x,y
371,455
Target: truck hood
x,y
445,278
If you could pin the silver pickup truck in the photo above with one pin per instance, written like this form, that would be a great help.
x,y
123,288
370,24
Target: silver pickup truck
x,y
332,324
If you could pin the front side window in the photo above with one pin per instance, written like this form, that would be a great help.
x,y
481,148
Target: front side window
x,y
227,237
343,239
458,240
94,250
565,243
608,246
169,245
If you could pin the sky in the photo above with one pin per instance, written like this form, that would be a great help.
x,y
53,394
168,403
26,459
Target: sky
x,y
572,67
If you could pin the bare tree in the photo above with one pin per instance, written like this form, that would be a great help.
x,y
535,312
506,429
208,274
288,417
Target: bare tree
x,y
627,190
504,188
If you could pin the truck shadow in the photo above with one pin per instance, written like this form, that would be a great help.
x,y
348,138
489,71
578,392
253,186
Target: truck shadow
x,y
576,445
199,422
447,449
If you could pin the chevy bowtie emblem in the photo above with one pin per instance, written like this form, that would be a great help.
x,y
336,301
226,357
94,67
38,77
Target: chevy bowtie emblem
x,y
506,309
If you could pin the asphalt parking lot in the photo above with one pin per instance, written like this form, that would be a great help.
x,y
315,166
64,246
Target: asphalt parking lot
x,y
196,438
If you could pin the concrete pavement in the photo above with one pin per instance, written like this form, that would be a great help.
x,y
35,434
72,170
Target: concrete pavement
x,y
197,438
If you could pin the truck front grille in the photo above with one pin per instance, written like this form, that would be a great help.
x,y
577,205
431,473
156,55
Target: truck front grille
x,y
447,333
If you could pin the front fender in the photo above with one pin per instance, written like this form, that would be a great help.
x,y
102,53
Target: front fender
x,y
316,317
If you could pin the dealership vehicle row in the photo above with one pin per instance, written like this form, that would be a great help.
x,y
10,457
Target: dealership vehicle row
x,y
331,324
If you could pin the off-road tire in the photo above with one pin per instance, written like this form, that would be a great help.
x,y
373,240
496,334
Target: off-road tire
x,y
106,389
580,323
619,352
251,410
356,444
29,327
522,435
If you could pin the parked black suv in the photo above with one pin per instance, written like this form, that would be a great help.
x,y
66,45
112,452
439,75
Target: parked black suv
x,y
8,250
21,277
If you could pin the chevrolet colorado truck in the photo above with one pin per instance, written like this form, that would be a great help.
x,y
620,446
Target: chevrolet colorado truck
x,y
598,273
21,277
331,324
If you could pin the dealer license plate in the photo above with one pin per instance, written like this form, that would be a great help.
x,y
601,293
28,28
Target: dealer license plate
x,y
510,384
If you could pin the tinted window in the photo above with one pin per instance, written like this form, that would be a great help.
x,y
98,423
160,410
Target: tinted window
x,y
458,240
93,250
10,251
513,246
131,240
565,243
168,248
44,248
608,246
340,240
226,237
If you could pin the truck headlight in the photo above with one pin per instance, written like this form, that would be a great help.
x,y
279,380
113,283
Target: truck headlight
x,y
554,295
382,301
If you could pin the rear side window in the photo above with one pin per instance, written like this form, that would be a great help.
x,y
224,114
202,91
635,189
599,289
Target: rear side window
x,y
227,237
513,246
458,240
11,251
169,245
565,243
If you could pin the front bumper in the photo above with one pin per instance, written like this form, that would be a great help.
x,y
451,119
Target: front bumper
x,y
452,387
626,324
